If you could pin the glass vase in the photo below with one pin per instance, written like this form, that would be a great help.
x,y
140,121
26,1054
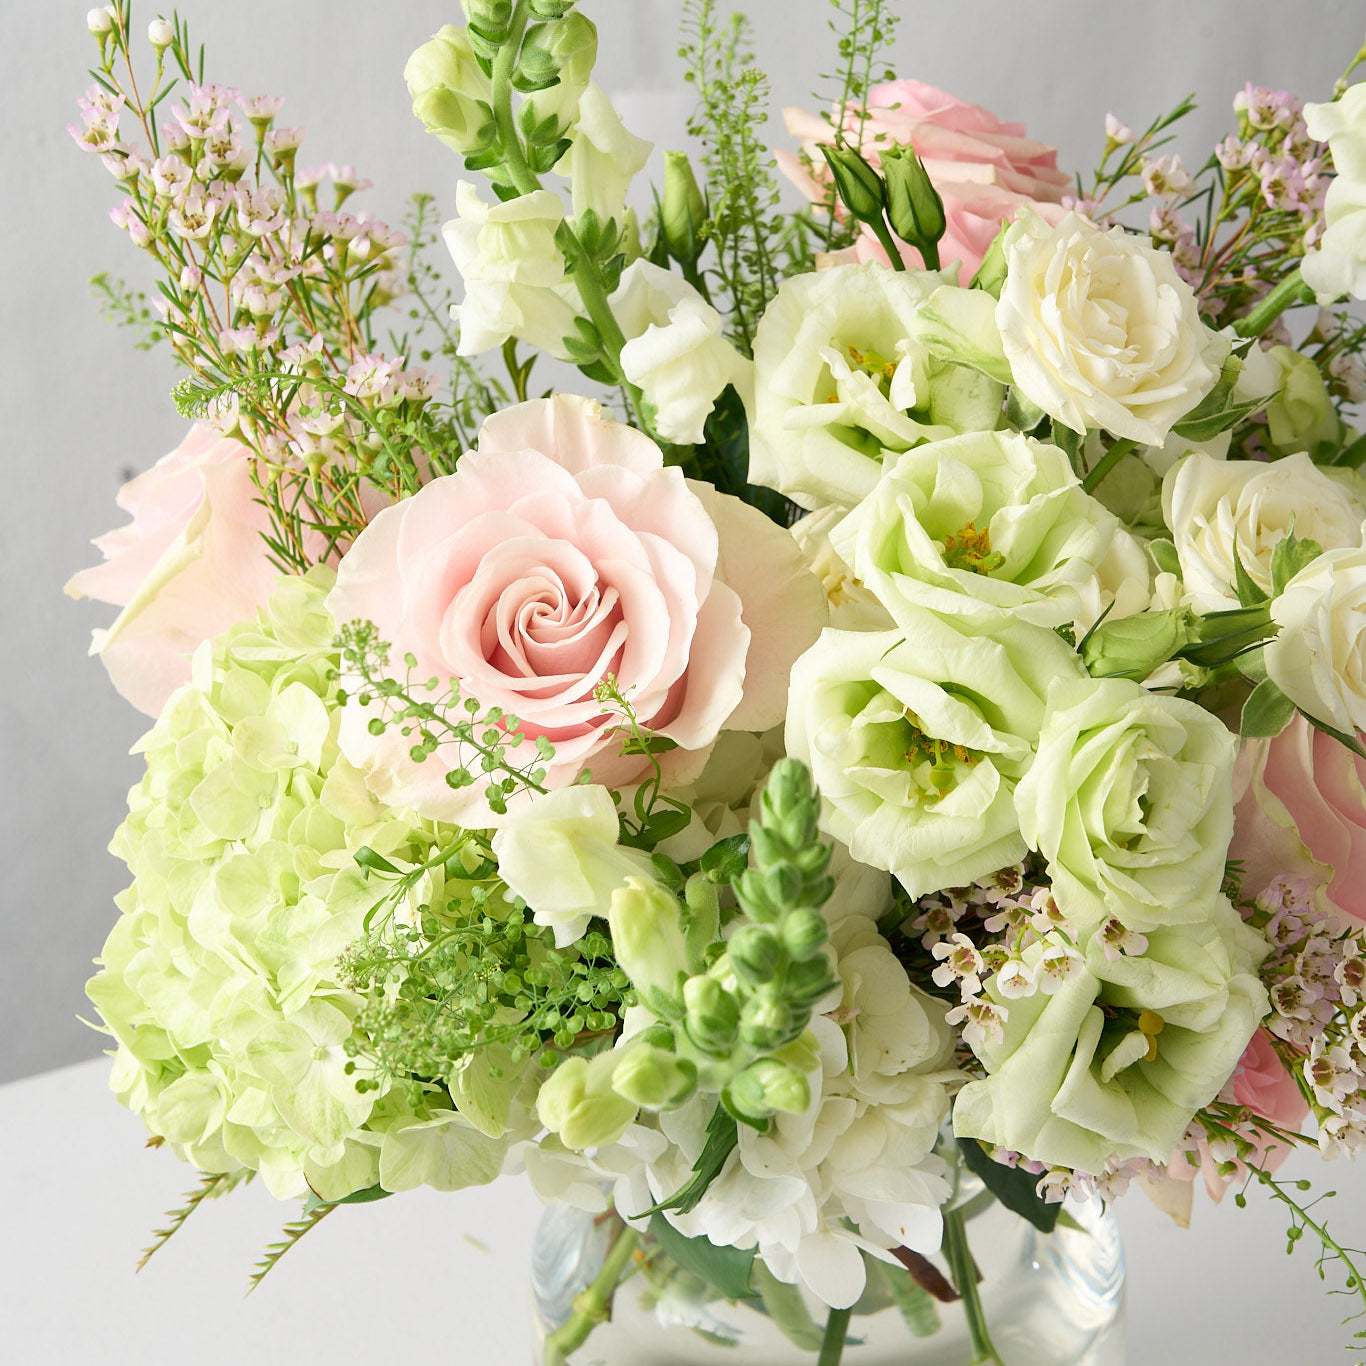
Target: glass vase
x,y
1048,1300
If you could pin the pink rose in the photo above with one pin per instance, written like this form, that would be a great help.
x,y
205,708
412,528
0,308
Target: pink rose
x,y
1301,812
190,564
983,169
560,551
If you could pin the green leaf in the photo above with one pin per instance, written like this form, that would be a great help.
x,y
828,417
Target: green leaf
x,y
1249,594
1200,426
377,863
917,1305
1352,742
1012,1186
726,859
1022,413
722,1135
1290,556
1165,557
1066,440
726,1268
1352,456
1267,711
1252,664
785,1306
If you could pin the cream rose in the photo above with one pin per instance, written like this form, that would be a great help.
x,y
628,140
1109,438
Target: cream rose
x,y
1100,330
1212,506
562,551
1318,660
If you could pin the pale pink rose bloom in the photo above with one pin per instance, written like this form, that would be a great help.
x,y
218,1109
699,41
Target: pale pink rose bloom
x,y
1301,811
190,564
983,169
563,550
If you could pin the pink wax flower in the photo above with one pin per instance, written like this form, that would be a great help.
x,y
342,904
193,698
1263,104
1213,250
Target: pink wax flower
x,y
562,551
189,565
1301,812
983,169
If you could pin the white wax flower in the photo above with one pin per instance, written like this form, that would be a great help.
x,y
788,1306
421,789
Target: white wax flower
x,y
560,854
1337,266
1100,330
1213,506
515,283
675,350
1319,658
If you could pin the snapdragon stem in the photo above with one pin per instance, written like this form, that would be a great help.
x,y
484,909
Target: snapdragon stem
x,y
964,1272
1291,291
591,1306
836,1330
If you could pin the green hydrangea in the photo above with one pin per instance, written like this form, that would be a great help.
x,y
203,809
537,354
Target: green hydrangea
x,y
220,980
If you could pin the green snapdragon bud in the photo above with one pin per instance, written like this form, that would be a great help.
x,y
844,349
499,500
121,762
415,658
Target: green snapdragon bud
x,y
647,934
805,983
711,1015
489,18
550,9
804,934
767,1021
1133,647
914,208
579,1102
683,213
765,1087
653,1078
755,954
450,92
856,183
556,63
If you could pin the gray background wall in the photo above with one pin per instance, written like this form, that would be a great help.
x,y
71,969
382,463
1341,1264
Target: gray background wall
x,y
82,410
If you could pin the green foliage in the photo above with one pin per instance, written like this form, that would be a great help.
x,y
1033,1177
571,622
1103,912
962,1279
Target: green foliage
x,y
307,1221
1012,1186
722,1136
726,1268
211,1186
126,307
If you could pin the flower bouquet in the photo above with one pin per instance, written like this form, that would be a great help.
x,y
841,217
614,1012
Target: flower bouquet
x,y
870,729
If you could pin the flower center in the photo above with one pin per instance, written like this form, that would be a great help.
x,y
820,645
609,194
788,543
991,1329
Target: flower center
x,y
970,550
935,764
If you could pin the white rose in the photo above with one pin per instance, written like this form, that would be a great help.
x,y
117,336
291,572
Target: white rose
x,y
1319,658
1212,506
515,284
839,382
675,351
1100,331
1338,265
602,158
560,854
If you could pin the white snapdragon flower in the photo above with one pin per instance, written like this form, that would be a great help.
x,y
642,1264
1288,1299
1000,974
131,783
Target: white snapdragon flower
x,y
1100,331
1219,508
675,350
1337,266
514,274
603,158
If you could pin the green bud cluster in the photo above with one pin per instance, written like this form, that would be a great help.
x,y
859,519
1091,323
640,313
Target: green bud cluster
x,y
901,194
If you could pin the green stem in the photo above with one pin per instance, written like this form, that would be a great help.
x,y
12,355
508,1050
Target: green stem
x,y
591,1306
1291,291
836,1330
964,1272
884,235
1095,477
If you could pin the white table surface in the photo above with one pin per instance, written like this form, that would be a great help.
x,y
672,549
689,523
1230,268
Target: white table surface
x,y
441,1279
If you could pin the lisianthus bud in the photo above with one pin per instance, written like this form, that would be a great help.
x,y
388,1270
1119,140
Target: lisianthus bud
x,y
450,92
578,1102
914,207
647,934
1133,647
653,1078
755,953
765,1086
991,274
160,34
683,214
858,184
712,1015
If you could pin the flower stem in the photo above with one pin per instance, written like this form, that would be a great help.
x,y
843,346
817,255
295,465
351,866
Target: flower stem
x,y
592,1306
1291,291
836,1330
964,1271
1095,477
884,236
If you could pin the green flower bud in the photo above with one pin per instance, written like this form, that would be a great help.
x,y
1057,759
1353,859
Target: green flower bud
x,y
804,934
450,92
712,1015
1301,417
1133,647
647,934
551,9
653,1078
578,1102
805,983
562,52
683,214
755,954
489,18
767,1021
764,1087
991,274
857,183
914,207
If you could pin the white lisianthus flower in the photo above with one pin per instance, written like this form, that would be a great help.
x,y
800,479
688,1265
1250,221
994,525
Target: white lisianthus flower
x,y
602,159
1212,506
1319,658
675,350
560,854
1337,266
917,736
1130,799
839,382
514,274
852,606
989,524
1117,1059
1100,330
